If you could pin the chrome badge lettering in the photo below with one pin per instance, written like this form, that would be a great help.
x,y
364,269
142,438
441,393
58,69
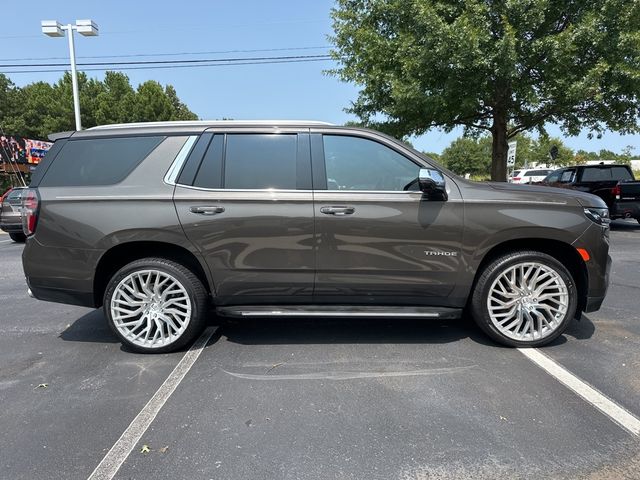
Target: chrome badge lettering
x,y
440,253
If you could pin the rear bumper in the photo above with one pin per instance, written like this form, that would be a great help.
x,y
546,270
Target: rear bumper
x,y
622,209
59,275
70,297
11,227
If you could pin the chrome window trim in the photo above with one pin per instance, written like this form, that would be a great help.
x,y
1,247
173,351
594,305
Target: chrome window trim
x,y
172,174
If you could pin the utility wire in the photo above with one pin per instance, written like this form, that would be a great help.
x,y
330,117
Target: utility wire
x,y
165,62
158,67
171,54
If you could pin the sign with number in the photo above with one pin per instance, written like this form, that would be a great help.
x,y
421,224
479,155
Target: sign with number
x,y
511,154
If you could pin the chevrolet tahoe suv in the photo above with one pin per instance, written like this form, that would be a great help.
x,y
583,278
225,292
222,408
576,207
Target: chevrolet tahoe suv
x,y
158,223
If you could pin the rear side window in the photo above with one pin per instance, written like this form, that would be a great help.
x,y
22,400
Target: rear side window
x,y
98,161
596,174
259,161
621,173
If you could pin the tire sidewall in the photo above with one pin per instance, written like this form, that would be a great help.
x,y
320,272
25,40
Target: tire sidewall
x,y
496,268
197,309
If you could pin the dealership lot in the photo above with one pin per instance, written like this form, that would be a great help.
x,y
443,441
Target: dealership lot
x,y
319,398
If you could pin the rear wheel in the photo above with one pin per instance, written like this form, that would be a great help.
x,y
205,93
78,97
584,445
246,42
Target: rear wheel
x,y
524,298
155,305
18,237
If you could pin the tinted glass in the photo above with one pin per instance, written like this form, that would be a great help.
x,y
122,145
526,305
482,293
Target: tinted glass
x,y
516,173
554,177
354,163
15,194
45,162
567,176
98,161
596,174
257,161
620,173
210,173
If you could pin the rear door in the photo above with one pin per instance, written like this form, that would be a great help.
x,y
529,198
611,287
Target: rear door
x,y
244,199
379,240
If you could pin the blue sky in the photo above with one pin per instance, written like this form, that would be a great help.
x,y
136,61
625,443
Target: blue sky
x,y
285,91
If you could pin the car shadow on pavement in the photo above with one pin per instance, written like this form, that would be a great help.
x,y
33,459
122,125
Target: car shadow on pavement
x,y
91,327
279,331
582,329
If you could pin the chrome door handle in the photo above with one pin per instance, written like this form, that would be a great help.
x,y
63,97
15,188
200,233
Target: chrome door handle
x,y
337,211
207,210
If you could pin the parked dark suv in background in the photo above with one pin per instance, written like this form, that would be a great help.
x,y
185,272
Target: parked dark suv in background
x,y
157,222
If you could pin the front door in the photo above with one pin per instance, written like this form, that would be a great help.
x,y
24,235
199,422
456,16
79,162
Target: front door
x,y
247,206
380,241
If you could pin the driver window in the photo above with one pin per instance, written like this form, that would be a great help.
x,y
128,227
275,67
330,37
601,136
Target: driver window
x,y
354,163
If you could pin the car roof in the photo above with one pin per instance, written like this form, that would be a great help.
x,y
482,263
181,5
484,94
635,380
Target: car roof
x,y
213,123
184,127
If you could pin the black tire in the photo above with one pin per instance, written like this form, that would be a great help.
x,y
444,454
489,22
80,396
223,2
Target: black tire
x,y
480,310
18,237
197,295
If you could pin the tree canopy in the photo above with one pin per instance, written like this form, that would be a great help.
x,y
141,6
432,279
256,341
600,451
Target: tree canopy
x,y
502,67
39,108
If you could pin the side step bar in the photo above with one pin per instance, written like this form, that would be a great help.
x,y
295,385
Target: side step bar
x,y
248,311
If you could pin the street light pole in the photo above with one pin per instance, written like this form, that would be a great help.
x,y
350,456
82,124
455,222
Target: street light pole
x,y
87,28
74,76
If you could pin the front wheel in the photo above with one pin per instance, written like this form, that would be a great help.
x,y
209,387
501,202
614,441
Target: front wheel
x,y
155,305
524,299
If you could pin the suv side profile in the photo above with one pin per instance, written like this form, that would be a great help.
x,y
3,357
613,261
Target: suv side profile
x,y
159,222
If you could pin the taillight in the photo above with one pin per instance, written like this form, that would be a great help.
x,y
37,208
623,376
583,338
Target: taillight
x,y
30,210
615,191
516,179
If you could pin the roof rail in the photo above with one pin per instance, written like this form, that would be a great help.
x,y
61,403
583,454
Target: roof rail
x,y
209,123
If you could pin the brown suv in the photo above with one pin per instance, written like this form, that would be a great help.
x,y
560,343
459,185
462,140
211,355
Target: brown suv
x,y
157,222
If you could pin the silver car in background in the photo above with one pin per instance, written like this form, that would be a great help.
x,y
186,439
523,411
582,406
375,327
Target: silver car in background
x,y
10,208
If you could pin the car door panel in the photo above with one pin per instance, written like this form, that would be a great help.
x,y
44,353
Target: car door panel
x,y
395,247
258,243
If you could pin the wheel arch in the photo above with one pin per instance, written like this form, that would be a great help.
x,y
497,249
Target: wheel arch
x,y
120,255
561,251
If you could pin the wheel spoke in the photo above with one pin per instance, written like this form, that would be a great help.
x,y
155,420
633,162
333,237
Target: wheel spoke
x,y
150,308
528,301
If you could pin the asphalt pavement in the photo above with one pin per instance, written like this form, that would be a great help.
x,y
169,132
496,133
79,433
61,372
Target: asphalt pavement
x,y
319,399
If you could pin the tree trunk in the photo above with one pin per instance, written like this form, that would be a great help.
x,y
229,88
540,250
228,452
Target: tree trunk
x,y
499,147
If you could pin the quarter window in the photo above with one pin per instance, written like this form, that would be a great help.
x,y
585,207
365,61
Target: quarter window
x,y
259,161
354,163
98,161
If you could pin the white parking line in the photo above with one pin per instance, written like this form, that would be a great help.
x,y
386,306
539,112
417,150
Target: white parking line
x,y
115,457
603,403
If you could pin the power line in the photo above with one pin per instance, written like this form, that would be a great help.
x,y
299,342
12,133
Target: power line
x,y
170,54
164,62
199,65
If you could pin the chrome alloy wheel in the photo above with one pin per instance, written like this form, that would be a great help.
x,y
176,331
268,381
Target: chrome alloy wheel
x,y
150,308
528,301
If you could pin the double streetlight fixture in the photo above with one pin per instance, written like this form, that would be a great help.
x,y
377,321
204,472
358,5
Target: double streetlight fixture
x,y
87,28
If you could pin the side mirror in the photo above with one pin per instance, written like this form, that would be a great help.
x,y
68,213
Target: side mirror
x,y
432,183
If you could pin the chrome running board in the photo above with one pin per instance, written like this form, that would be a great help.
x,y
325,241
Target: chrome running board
x,y
365,311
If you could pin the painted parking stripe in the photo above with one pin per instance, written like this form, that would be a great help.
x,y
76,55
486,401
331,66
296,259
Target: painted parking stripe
x,y
615,412
114,459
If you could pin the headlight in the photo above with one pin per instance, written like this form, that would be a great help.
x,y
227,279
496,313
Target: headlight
x,y
598,215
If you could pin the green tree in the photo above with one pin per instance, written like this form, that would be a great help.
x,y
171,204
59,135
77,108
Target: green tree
x,y
503,66
40,108
467,155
